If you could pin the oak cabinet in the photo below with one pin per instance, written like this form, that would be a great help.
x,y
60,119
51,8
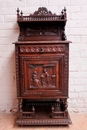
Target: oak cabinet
x,y
42,63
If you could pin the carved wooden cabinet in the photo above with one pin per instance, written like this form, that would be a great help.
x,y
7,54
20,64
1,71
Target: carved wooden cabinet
x,y
42,63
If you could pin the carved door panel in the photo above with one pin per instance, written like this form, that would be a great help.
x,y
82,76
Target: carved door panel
x,y
42,74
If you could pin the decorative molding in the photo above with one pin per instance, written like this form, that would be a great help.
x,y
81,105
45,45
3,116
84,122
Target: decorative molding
x,y
40,48
43,103
61,64
43,122
17,71
22,74
66,62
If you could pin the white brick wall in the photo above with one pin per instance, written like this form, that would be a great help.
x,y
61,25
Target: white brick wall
x,y
76,31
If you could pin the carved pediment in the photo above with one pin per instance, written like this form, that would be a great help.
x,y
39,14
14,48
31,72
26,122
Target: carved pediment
x,y
42,11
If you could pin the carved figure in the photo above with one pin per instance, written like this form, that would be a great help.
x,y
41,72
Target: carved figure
x,y
42,80
46,76
36,81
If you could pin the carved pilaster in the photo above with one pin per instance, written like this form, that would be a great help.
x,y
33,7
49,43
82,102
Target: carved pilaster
x,y
66,69
17,70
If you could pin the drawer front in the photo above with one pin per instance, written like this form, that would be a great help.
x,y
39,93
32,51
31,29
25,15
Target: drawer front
x,y
42,48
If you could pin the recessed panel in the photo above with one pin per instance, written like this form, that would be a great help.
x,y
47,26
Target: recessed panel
x,y
42,75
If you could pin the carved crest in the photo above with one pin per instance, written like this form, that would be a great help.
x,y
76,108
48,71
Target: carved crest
x,y
42,11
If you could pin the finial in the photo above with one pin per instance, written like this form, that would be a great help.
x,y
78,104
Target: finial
x,y
21,13
18,11
65,9
65,13
62,11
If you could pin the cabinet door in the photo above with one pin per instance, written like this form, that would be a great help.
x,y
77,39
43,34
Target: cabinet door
x,y
43,76
43,71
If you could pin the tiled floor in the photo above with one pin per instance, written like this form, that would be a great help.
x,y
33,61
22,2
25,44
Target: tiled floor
x,y
79,123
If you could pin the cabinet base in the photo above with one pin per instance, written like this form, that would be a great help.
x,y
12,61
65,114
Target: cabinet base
x,y
48,121
43,113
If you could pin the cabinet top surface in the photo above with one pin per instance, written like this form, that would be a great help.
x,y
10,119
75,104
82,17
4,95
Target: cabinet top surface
x,y
42,42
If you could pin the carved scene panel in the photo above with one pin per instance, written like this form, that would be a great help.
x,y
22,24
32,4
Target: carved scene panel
x,y
42,75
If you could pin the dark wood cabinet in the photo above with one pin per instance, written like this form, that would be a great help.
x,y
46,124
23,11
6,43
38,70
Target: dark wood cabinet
x,y
42,63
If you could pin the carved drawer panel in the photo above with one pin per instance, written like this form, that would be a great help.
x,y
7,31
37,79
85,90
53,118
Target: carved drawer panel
x,y
42,48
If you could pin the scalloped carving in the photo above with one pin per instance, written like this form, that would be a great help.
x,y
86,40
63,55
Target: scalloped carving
x,y
42,11
42,49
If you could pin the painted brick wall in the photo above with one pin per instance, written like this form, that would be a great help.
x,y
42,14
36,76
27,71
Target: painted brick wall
x,y
76,31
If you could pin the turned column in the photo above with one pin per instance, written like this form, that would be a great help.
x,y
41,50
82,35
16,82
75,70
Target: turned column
x,y
20,105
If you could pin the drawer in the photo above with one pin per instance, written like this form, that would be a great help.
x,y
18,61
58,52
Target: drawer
x,y
42,48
